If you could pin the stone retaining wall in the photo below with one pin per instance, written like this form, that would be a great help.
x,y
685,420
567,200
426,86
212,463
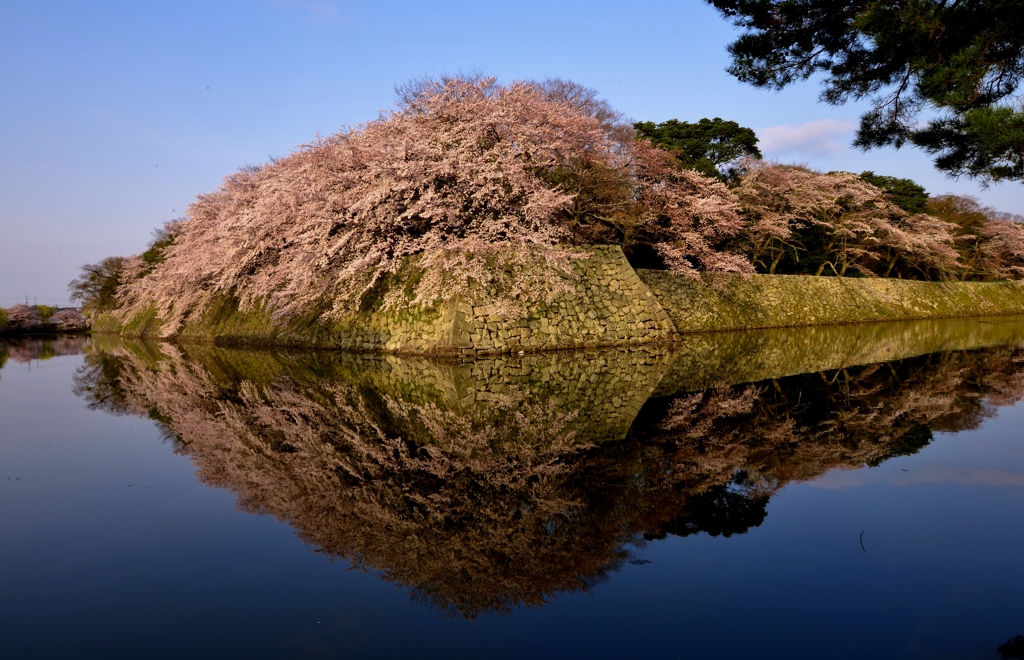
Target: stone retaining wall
x,y
734,302
608,304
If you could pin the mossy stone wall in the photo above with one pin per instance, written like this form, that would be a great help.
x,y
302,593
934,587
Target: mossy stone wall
x,y
608,304
735,302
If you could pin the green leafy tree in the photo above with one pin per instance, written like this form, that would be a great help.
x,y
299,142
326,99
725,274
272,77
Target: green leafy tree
x,y
988,140
904,193
97,286
705,146
962,59
45,312
163,238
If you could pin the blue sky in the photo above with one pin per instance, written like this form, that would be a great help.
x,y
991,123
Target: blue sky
x,y
114,115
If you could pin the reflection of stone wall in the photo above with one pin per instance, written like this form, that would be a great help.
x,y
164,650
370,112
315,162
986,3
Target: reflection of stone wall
x,y
775,301
486,503
743,356
595,394
605,389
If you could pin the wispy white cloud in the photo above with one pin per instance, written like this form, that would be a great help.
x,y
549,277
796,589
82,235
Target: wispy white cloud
x,y
822,137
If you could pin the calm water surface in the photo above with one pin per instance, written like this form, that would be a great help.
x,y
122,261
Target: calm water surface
x,y
850,492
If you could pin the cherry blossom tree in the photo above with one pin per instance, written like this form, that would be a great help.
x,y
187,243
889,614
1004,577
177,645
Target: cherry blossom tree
x,y
692,220
466,175
991,243
806,221
768,197
69,320
918,246
460,168
23,317
1003,249
456,161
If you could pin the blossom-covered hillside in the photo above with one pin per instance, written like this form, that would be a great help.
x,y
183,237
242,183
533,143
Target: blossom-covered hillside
x,y
472,185
460,170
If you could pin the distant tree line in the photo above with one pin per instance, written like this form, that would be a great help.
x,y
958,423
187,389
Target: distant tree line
x,y
28,318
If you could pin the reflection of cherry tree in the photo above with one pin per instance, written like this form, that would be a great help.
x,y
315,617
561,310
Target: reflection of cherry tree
x,y
340,464
796,428
29,349
498,504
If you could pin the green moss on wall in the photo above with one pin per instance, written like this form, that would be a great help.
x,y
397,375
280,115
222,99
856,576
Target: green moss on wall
x,y
735,302
609,304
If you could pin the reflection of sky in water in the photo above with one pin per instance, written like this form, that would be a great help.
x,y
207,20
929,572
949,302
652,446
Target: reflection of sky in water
x,y
111,544
928,474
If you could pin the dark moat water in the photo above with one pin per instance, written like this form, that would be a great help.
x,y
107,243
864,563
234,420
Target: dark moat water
x,y
853,492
